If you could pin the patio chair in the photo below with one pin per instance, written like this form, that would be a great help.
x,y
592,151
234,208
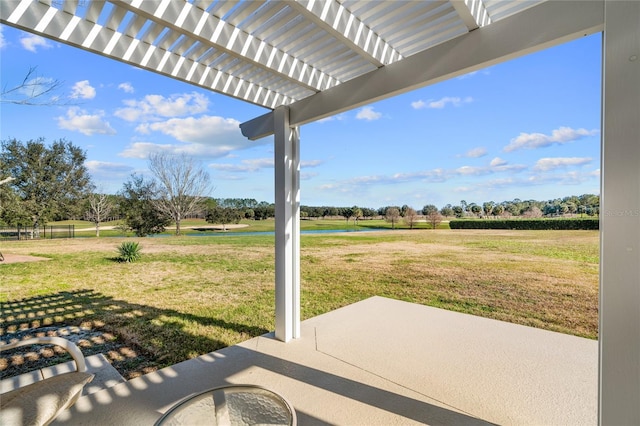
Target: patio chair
x,y
40,403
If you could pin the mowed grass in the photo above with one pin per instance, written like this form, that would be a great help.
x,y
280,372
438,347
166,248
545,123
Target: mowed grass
x,y
192,295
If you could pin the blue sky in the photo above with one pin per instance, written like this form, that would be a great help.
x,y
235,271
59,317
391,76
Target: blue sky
x,y
528,129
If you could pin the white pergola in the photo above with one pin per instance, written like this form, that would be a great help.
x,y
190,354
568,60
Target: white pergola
x,y
309,59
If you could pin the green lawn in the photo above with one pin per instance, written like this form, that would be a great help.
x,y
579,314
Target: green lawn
x,y
191,295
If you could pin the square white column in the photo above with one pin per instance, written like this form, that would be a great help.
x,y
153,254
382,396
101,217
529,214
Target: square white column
x,y
287,198
619,333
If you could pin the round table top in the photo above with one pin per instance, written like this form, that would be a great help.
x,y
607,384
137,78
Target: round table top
x,y
231,405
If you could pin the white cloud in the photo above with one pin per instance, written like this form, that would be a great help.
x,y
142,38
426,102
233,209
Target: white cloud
x,y
467,75
469,170
126,87
337,117
83,90
3,43
307,176
497,165
441,103
256,164
367,113
32,42
504,167
250,165
211,130
310,163
497,162
85,123
476,152
156,107
205,136
561,135
143,149
568,178
464,189
546,164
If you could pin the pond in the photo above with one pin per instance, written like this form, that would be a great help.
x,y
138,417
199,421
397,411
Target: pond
x,y
314,231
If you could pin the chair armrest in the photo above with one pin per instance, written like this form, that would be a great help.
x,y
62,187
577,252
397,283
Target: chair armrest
x,y
68,345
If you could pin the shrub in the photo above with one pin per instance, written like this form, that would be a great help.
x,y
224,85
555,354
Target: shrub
x,y
535,224
129,251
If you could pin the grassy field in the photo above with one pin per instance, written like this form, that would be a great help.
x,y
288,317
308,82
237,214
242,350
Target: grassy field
x,y
191,295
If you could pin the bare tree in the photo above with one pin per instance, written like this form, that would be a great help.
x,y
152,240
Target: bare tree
x,y
182,185
6,180
532,211
100,206
33,90
392,215
410,217
434,218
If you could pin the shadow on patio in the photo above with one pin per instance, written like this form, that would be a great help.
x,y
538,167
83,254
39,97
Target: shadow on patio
x,y
382,361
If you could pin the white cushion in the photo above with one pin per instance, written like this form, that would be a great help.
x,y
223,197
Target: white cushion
x,y
40,403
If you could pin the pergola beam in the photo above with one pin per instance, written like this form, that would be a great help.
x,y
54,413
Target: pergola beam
x,y
332,17
472,12
542,26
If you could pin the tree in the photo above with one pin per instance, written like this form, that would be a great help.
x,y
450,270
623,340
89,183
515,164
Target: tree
x,y
223,216
99,207
346,212
487,207
9,203
329,211
497,210
410,217
138,207
392,215
264,210
357,214
434,218
464,206
458,211
447,211
33,90
47,181
368,212
428,209
182,184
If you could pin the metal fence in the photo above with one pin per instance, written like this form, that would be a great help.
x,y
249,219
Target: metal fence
x,y
30,233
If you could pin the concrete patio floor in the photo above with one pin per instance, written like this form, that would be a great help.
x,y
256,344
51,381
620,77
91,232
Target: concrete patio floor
x,y
383,362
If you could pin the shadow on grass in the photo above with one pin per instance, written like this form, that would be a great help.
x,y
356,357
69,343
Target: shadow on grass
x,y
136,338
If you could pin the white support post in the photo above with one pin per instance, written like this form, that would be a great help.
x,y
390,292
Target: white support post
x,y
619,335
287,197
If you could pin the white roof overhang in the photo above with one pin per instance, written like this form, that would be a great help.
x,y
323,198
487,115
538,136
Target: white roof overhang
x,y
317,57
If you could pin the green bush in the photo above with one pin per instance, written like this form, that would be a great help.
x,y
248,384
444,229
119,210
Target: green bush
x,y
129,251
529,224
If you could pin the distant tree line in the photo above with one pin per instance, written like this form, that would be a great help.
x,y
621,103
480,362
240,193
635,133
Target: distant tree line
x,y
40,184
583,205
